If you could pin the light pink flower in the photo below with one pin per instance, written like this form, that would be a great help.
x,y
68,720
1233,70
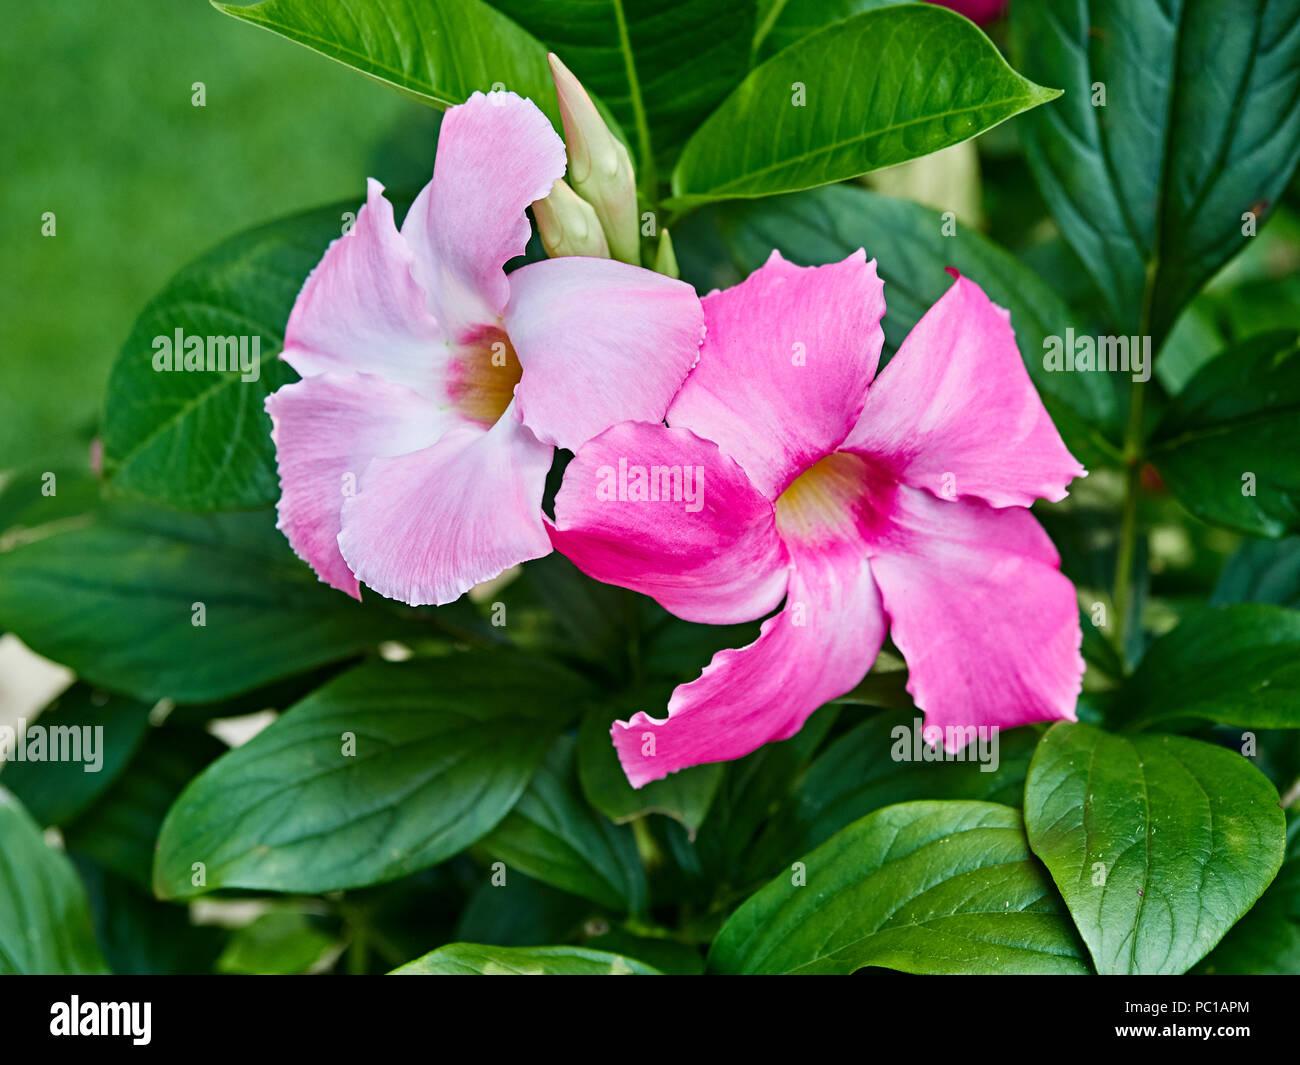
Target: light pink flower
x,y
413,454
899,506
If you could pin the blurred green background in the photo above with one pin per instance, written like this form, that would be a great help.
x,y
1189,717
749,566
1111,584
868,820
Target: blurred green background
x,y
101,131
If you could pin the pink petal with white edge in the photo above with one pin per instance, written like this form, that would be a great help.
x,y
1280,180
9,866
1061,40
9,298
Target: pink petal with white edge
x,y
767,690
956,412
987,624
600,342
326,428
361,310
701,541
429,525
496,155
787,358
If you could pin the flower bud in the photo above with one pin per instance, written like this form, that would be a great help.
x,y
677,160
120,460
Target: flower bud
x,y
665,257
600,170
568,224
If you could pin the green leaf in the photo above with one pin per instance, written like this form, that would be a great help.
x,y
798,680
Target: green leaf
x,y
782,22
933,80
879,763
390,768
661,68
1158,843
684,796
924,887
752,790
554,836
437,53
275,944
1261,571
1236,665
44,920
472,959
121,830
1199,126
141,936
906,239
522,912
56,791
1226,446
115,595
1266,942
200,439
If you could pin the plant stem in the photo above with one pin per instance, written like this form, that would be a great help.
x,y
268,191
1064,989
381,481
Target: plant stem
x,y
646,172
1122,599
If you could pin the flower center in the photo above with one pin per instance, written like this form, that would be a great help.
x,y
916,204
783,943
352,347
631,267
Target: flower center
x,y
483,375
837,497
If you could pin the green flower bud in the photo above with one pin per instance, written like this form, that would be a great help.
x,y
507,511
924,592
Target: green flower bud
x,y
665,257
600,170
568,225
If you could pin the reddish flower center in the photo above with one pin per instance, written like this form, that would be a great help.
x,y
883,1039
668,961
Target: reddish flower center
x,y
484,372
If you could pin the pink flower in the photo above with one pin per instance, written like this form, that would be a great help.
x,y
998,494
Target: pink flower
x,y
899,504
414,451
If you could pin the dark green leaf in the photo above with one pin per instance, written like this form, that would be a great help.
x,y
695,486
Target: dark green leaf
x,y
933,80
388,769
554,836
44,920
782,22
121,830
685,796
200,439
878,763
1226,446
141,936
925,887
1262,571
116,594
659,67
56,791
1235,665
522,912
1158,843
1200,125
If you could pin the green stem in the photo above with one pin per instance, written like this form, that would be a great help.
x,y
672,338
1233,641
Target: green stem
x,y
647,177
1128,525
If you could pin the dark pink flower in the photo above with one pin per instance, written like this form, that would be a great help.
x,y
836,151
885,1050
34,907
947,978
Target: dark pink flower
x,y
784,472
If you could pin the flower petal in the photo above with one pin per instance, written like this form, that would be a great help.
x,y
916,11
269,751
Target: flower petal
x,y
816,649
665,513
956,412
361,310
429,525
600,342
325,428
496,155
787,358
988,625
